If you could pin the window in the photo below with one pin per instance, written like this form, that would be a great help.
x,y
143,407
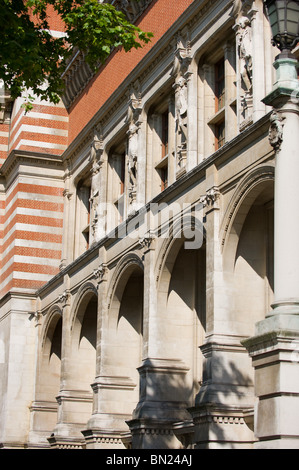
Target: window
x,y
219,135
82,232
165,134
217,97
164,178
219,85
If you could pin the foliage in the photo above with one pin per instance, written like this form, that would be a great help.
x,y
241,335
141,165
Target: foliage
x,y
31,58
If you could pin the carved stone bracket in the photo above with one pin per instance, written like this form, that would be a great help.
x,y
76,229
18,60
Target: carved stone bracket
x,y
147,241
276,130
101,273
210,198
65,298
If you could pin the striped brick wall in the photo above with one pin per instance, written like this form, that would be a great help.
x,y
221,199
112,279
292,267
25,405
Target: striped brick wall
x,y
43,129
4,135
31,225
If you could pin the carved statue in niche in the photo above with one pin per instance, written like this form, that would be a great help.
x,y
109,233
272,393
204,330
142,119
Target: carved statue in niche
x,y
96,158
133,116
181,111
132,153
240,13
245,53
180,72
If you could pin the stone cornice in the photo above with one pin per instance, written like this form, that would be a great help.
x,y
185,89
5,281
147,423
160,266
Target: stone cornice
x,y
30,159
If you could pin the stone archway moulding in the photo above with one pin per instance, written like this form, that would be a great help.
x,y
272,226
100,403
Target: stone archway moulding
x,y
129,260
54,311
176,237
85,292
251,183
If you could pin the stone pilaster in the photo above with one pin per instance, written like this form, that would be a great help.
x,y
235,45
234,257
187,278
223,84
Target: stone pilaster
x,y
274,346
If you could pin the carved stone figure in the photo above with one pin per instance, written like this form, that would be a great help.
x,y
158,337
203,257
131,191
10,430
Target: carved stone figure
x,y
180,72
133,116
245,53
132,153
96,157
276,130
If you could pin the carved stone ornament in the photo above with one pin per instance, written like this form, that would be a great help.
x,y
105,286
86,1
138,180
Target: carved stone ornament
x,y
133,120
147,240
101,272
211,196
65,298
97,148
276,130
181,74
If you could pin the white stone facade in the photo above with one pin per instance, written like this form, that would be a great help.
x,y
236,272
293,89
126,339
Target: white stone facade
x,y
167,261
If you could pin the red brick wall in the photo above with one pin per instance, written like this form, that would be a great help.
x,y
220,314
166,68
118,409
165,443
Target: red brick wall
x,y
158,19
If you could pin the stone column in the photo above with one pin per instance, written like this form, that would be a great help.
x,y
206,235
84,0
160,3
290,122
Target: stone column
x,y
276,342
160,404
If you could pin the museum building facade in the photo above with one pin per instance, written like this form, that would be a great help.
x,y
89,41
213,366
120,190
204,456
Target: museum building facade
x,y
137,254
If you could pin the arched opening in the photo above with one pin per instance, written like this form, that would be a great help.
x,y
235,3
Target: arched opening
x,y
126,335
54,369
86,364
182,313
253,271
44,407
79,360
249,259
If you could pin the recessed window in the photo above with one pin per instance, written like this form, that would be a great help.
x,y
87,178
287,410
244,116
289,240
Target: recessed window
x,y
165,134
219,85
164,178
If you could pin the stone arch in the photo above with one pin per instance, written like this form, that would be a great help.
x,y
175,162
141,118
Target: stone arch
x,y
247,191
180,277
247,249
121,274
48,378
122,340
85,292
177,237
83,336
52,316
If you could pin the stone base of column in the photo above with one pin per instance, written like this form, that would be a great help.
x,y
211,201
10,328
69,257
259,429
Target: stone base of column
x,y
150,433
162,403
222,427
66,436
43,419
275,357
104,439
